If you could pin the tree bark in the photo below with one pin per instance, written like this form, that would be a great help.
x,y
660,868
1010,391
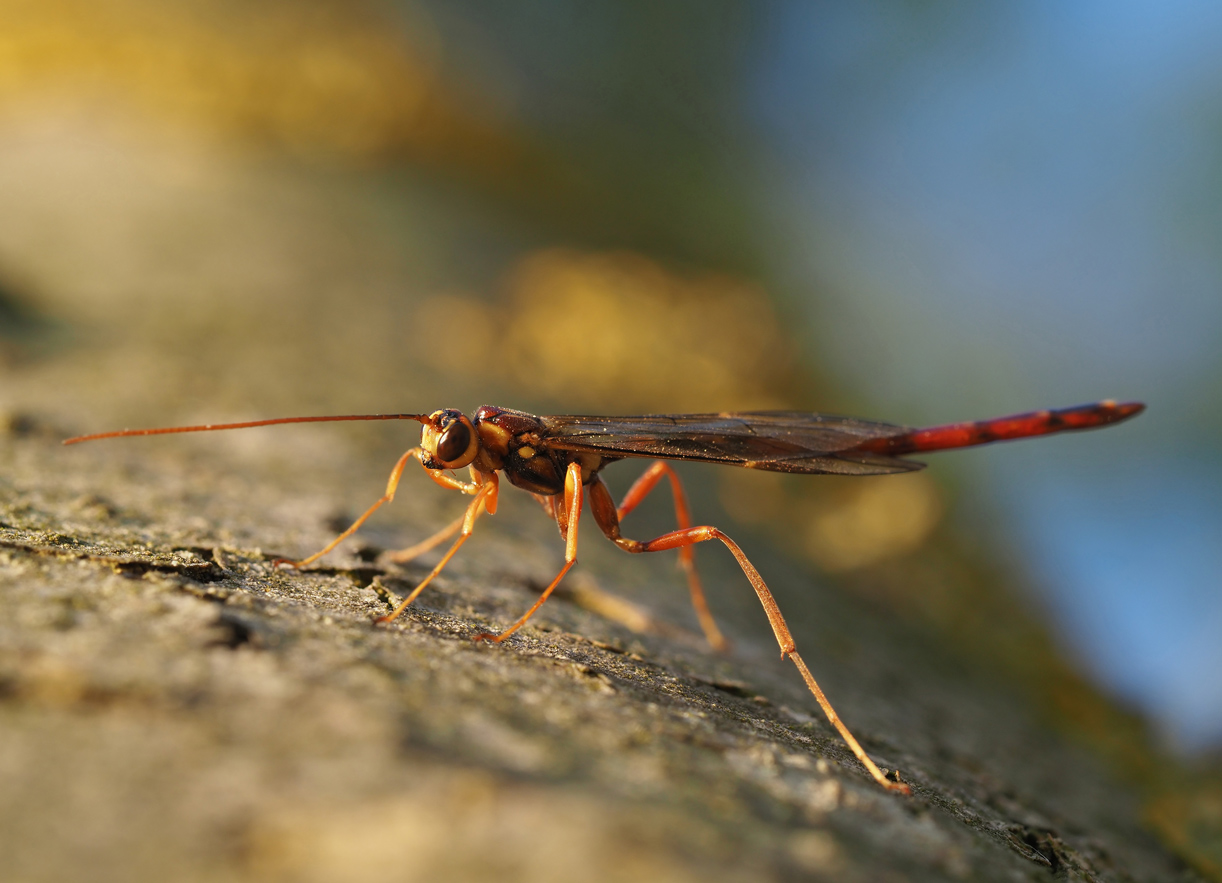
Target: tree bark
x,y
172,704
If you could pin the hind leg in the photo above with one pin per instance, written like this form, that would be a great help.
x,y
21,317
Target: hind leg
x,y
610,526
607,518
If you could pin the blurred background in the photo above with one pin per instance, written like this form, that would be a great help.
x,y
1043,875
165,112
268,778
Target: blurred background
x,y
918,213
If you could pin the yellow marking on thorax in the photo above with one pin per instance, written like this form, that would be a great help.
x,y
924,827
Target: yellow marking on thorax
x,y
495,438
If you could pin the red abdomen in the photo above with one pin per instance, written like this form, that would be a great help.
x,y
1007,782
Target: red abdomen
x,y
981,432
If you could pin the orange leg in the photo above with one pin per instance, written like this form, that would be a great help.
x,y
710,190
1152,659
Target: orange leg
x,y
572,512
404,555
639,490
606,517
391,485
485,501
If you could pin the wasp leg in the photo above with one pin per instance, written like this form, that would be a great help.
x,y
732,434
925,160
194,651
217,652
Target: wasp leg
x,y
606,517
600,502
402,556
570,515
485,501
391,485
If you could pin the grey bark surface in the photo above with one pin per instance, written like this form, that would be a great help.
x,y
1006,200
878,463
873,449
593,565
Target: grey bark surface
x,y
173,705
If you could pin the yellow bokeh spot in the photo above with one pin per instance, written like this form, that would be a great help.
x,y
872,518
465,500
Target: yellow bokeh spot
x,y
885,517
616,331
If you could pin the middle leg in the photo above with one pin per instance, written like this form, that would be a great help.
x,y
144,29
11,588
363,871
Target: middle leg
x,y
572,515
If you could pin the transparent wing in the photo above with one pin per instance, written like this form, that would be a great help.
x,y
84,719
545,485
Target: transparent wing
x,y
776,441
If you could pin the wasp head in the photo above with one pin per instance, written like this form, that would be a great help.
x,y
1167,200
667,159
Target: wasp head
x,y
449,440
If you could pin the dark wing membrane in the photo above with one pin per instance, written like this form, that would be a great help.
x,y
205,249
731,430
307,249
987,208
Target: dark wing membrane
x,y
776,441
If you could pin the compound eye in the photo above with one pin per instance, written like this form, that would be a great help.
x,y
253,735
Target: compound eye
x,y
454,442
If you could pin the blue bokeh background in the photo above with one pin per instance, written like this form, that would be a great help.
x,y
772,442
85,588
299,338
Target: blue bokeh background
x,y
1022,204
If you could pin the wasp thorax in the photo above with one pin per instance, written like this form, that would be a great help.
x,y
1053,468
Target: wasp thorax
x,y
449,440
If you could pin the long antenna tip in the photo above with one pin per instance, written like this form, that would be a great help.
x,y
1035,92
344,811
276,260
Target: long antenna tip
x,y
248,424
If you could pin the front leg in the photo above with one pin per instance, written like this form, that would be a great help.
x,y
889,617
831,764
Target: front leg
x,y
391,485
467,487
485,501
